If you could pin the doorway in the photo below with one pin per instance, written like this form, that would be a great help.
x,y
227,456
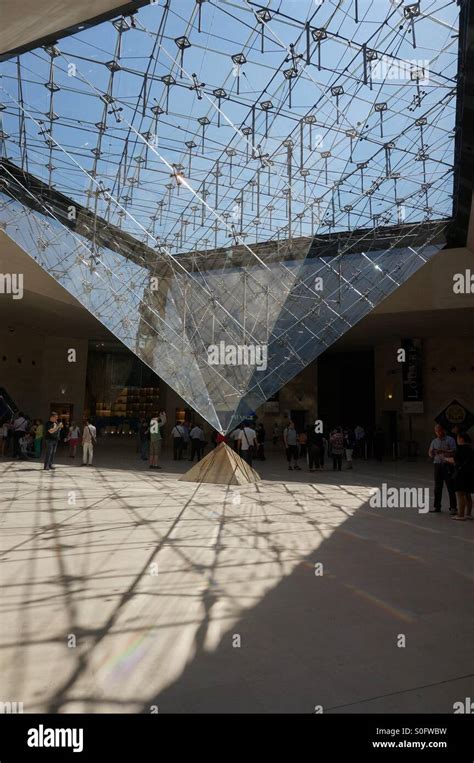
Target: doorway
x,y
346,394
299,418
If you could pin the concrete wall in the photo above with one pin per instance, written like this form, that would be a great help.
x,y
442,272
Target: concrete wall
x,y
300,394
448,374
431,287
24,21
63,381
35,371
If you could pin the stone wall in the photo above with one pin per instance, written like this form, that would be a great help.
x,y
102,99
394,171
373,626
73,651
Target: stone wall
x,y
300,394
35,371
448,374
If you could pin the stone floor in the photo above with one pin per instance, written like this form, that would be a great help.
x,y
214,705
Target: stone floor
x,y
124,590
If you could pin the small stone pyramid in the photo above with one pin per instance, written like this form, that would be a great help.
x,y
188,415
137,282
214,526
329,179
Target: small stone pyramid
x,y
222,466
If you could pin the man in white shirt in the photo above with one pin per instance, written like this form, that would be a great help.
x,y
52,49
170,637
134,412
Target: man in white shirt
x,y
441,450
197,442
89,437
235,438
247,440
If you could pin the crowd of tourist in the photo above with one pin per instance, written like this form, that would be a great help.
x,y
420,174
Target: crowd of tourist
x,y
451,452
25,439
308,446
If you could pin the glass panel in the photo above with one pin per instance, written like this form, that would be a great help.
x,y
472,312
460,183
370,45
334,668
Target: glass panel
x,y
229,190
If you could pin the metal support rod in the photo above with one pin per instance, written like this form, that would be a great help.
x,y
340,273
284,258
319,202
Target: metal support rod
x,y
244,306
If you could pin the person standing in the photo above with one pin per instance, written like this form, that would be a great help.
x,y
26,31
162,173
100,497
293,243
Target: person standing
x,y
359,434
290,438
463,477
143,438
302,444
73,439
261,442
313,448
177,433
275,433
337,448
235,439
89,438
442,447
186,437
197,439
53,429
349,442
63,432
247,440
162,419
323,449
155,441
20,425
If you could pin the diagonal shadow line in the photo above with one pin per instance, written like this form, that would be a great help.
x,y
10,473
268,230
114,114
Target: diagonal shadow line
x,y
44,530
83,660
197,686
208,596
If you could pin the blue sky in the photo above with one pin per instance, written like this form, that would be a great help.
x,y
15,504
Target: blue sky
x,y
137,181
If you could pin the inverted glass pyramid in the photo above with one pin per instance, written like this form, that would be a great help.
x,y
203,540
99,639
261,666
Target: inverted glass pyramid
x,y
230,189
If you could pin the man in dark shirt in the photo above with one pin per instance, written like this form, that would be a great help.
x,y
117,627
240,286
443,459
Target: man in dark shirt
x,y
51,437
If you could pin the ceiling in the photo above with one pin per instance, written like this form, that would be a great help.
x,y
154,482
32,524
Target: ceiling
x,y
377,328
134,137
29,23
48,307
45,315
